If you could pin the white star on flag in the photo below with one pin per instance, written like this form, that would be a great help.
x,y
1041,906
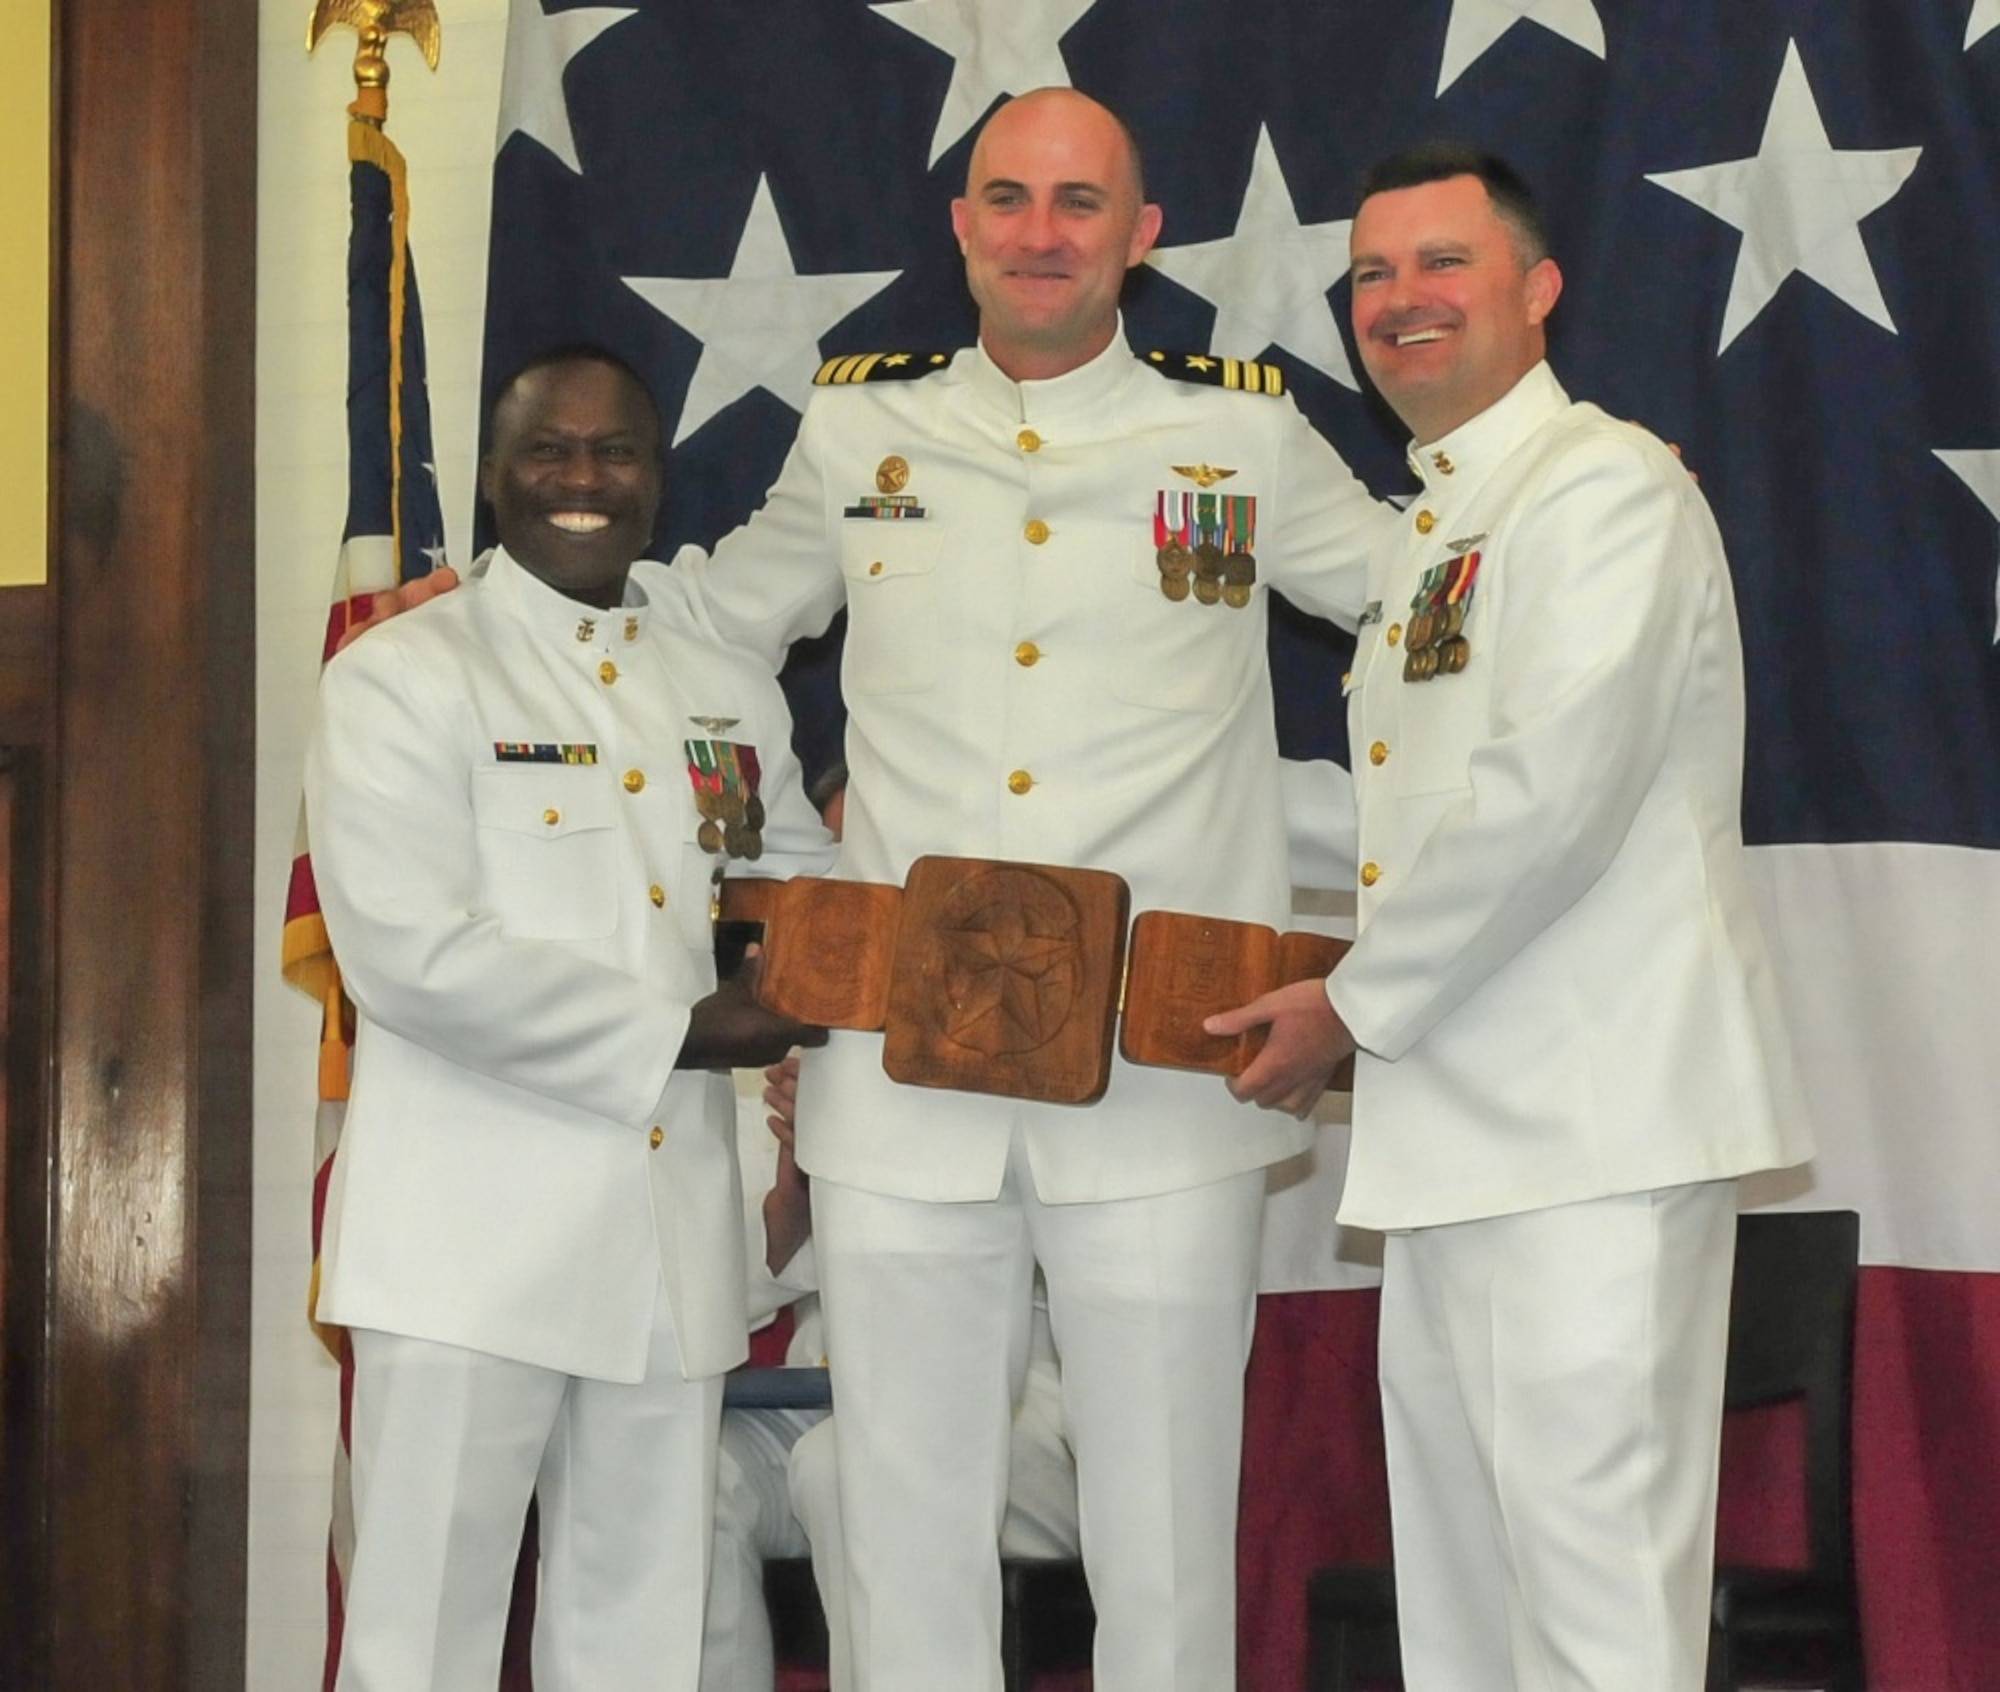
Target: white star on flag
x,y
1004,49
1799,204
1268,281
760,325
1985,17
1979,471
1477,24
539,49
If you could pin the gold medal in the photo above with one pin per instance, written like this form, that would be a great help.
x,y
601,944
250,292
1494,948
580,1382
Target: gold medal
x,y
709,836
1239,571
753,812
1208,572
1422,626
1454,655
892,475
1412,671
1454,620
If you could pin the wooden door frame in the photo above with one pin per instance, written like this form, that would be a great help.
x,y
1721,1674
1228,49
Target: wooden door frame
x,y
127,751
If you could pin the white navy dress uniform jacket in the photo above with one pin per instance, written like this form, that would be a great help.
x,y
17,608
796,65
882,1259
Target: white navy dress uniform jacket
x,y
1559,987
523,940
1019,687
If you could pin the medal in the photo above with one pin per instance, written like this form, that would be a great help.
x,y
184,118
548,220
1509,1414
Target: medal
x,y
1208,572
1239,566
1173,523
725,775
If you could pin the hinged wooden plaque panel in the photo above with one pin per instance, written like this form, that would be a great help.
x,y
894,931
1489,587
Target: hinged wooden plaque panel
x,y
1185,968
1006,979
828,949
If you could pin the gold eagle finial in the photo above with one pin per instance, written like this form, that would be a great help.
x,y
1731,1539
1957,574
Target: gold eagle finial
x,y
374,21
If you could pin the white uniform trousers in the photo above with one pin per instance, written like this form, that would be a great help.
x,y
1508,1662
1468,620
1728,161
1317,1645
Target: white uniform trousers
x,y
754,1520
928,1313
1552,1403
777,1494
448,1446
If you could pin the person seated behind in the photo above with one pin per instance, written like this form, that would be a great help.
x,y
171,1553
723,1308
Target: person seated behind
x,y
777,1492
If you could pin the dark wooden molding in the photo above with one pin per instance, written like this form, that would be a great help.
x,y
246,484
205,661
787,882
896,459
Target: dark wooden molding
x,y
127,702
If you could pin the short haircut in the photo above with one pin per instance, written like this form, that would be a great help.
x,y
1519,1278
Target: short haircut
x,y
1513,200
576,352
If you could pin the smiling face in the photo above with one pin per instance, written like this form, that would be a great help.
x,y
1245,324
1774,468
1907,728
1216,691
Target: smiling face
x,y
1446,315
573,475
1050,221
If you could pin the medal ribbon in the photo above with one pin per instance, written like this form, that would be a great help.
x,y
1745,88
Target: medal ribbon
x,y
1240,518
702,766
1208,518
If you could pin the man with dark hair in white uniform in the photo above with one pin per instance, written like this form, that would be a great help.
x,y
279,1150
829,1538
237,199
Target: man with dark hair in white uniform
x,y
1566,1030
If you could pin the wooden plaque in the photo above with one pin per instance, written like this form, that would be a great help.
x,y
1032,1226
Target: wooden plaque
x,y
828,949
1006,979
1185,968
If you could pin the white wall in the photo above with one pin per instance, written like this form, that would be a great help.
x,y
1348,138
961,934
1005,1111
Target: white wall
x,y
444,125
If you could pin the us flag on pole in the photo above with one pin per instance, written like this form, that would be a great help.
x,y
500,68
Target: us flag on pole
x,y
1779,223
394,533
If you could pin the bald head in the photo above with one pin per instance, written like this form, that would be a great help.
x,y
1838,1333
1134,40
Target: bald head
x,y
1056,109
1052,217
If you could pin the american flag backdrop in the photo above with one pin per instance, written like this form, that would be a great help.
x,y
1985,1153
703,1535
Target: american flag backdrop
x,y
1779,222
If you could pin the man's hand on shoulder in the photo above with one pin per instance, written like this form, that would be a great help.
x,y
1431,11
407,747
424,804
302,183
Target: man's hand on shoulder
x,y
395,601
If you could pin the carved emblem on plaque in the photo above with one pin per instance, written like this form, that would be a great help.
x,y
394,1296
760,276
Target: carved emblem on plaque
x,y
1012,965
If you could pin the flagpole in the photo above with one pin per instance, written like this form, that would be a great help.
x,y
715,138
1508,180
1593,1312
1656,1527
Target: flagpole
x,y
393,531
374,22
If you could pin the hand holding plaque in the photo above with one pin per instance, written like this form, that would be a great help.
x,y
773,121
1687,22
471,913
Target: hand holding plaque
x,y
1006,978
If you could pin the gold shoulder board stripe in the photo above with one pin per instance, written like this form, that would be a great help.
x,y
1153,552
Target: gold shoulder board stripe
x,y
1243,375
845,369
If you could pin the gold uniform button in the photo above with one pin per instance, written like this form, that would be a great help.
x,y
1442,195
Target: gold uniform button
x,y
1027,653
657,1138
1037,531
607,672
1425,522
875,569
1379,752
552,816
1395,633
1370,874
1028,441
1019,782
635,781
657,894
